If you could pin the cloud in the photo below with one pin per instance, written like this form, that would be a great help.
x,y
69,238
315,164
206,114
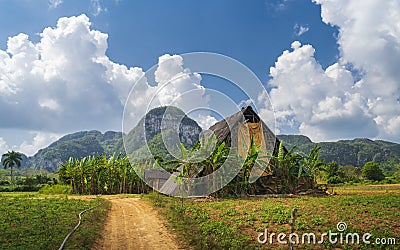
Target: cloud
x,y
300,29
174,85
369,40
205,121
174,80
330,104
97,8
277,5
55,3
322,104
3,146
40,140
64,82
245,103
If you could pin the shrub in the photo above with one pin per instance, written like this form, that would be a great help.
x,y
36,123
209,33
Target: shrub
x,y
56,189
373,172
4,182
335,180
20,188
396,175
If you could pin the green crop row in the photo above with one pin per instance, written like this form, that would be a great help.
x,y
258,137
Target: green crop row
x,y
35,222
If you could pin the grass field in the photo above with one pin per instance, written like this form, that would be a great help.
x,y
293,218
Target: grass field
x,y
36,221
236,223
33,221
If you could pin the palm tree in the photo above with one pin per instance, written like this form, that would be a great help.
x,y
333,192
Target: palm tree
x,y
10,159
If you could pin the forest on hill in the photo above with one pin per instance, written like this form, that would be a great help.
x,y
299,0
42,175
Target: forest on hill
x,y
354,152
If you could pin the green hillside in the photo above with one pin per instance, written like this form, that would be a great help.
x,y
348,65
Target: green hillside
x,y
78,145
349,152
84,143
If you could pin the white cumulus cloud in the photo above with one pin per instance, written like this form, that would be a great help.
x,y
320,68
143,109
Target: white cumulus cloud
x,y
322,104
369,39
173,85
328,104
63,82
40,140
205,121
66,82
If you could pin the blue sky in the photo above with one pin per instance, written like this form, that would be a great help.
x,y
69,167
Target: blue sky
x,y
324,70
140,31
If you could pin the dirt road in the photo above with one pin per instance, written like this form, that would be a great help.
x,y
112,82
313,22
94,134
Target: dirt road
x,y
133,224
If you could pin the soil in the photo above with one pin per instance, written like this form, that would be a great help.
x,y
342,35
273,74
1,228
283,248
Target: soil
x,y
132,223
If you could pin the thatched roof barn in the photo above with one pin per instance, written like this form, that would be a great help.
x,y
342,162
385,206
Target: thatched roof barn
x,y
237,129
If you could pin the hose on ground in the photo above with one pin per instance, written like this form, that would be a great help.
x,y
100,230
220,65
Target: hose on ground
x,y
76,227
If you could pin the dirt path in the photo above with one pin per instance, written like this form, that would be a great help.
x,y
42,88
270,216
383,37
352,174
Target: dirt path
x,y
133,224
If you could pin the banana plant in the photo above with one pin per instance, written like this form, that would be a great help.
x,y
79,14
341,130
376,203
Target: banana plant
x,y
312,164
286,167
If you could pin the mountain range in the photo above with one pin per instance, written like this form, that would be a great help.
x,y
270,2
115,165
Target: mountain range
x,y
84,143
354,152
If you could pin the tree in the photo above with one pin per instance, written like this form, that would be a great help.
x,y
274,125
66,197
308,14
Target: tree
x,y
373,172
10,159
332,169
254,164
334,173
396,175
211,162
99,175
186,163
351,173
313,163
67,171
287,168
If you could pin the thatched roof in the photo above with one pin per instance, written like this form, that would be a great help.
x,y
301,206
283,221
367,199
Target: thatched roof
x,y
222,129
